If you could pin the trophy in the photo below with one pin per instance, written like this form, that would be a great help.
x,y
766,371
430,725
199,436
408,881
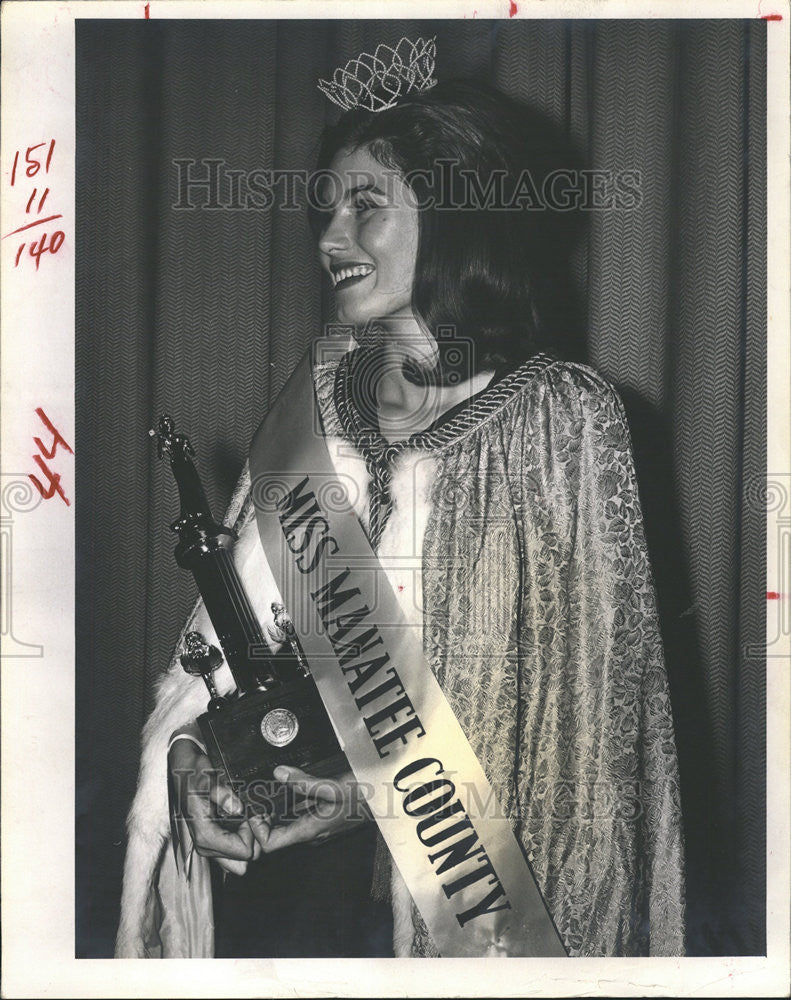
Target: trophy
x,y
276,715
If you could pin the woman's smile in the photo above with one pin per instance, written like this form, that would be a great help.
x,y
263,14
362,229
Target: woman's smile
x,y
346,274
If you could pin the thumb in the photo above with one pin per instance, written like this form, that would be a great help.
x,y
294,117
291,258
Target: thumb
x,y
308,784
260,828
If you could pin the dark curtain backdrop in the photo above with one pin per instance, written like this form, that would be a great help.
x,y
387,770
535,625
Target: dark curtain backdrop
x,y
204,314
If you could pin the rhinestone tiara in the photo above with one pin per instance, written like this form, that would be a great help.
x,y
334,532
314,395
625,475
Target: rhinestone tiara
x,y
375,82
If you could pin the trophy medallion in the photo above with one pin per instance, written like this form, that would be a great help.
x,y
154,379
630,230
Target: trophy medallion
x,y
279,727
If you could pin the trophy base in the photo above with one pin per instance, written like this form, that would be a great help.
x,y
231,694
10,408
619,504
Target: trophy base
x,y
249,736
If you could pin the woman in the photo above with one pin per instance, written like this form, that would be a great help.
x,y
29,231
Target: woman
x,y
507,477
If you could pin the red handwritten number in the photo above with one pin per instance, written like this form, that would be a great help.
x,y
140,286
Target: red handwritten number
x,y
33,165
56,436
41,200
45,244
39,247
54,482
53,478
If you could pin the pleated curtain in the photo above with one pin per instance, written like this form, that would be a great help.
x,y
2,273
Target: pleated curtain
x,y
204,313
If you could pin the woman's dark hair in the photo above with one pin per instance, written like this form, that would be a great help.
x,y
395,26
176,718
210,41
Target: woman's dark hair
x,y
491,254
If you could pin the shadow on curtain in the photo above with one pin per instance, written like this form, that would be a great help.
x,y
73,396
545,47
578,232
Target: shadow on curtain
x,y
204,314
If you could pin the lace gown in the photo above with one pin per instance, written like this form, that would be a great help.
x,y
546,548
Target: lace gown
x,y
540,624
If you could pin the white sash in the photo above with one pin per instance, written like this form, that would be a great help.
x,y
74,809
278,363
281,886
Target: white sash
x,y
428,793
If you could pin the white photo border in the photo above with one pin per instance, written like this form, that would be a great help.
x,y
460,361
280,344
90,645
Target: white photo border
x,y
38,104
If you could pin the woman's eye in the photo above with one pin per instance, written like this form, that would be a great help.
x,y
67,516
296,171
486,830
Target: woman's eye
x,y
363,205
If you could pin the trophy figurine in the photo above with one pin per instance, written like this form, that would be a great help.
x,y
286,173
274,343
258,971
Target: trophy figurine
x,y
275,715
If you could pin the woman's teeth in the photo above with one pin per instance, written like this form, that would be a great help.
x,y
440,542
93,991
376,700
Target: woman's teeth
x,y
358,271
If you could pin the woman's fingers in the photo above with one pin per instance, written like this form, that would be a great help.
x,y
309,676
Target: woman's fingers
x,y
307,829
325,796
323,808
308,785
250,843
205,799
224,798
214,841
232,867
260,828
220,828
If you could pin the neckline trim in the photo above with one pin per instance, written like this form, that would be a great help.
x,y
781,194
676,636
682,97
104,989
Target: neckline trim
x,y
483,405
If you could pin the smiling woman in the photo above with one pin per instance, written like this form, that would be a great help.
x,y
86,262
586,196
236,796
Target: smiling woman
x,y
495,484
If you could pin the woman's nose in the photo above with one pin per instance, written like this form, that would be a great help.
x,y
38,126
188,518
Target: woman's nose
x,y
337,235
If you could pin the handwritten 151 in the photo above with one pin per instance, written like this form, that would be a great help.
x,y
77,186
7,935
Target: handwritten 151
x,y
53,478
33,163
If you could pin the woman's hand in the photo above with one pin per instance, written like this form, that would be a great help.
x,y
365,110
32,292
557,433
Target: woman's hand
x,y
213,813
325,807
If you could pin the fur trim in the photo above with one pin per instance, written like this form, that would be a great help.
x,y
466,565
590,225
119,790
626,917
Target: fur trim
x,y
181,698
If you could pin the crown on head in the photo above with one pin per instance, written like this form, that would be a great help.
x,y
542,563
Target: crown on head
x,y
375,82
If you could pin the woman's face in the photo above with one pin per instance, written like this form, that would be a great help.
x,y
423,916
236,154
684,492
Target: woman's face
x,y
369,247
